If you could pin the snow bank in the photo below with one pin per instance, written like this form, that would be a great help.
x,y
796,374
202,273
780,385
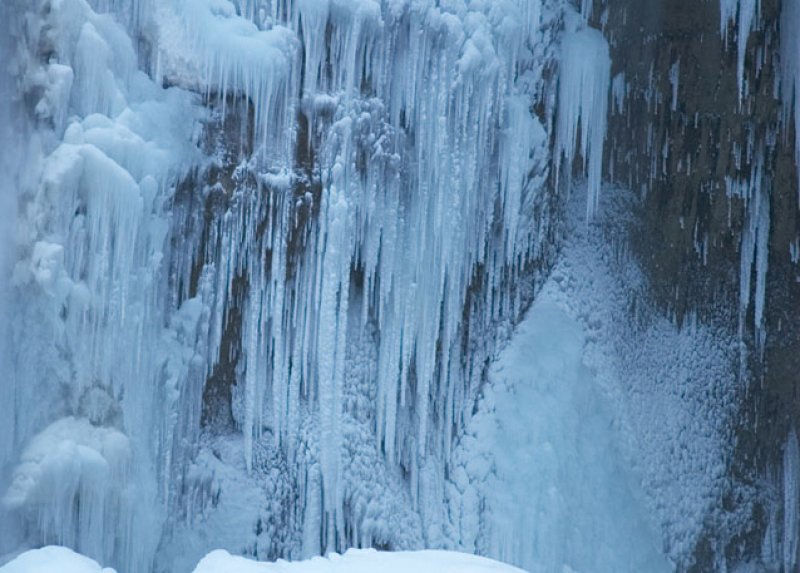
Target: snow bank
x,y
359,561
53,558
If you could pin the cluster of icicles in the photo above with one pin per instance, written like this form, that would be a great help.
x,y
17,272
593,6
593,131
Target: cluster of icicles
x,y
430,208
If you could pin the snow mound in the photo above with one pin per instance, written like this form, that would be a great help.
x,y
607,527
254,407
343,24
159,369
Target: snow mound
x,y
53,558
63,560
359,561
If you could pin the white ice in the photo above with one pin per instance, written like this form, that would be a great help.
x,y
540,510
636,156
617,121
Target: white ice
x,y
432,169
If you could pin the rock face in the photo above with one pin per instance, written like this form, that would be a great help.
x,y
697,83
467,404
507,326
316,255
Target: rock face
x,y
701,126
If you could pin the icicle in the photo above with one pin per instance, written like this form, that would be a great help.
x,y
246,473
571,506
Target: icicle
x,y
89,283
619,91
233,58
755,245
674,80
586,9
583,102
790,71
791,501
746,11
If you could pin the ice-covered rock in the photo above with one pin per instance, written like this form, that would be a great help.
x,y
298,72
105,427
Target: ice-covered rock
x,y
70,483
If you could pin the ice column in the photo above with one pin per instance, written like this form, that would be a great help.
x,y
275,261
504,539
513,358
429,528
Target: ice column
x,y
754,191
584,83
746,10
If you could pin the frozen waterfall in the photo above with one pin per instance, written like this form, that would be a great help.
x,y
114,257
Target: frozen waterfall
x,y
352,189
290,277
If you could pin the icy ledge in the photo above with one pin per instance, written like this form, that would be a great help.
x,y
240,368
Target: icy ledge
x,y
53,558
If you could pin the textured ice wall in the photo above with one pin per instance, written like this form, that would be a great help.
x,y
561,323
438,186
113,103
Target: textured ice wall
x,y
91,347
600,411
546,454
362,272
11,128
345,237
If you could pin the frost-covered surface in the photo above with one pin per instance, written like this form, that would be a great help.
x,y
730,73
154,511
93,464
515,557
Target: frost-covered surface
x,y
546,443
618,417
673,389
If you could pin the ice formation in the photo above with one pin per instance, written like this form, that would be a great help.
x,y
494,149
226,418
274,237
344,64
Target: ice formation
x,y
791,502
91,237
408,143
790,70
377,149
744,15
312,220
73,479
589,398
584,86
755,192
549,433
